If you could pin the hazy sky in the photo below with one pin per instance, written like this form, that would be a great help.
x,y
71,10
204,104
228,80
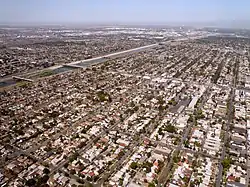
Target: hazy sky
x,y
123,11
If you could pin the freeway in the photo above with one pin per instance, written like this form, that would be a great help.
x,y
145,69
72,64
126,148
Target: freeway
x,y
6,82
76,64
112,55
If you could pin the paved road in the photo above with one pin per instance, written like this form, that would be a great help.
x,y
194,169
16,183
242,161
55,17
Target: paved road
x,y
229,121
132,149
81,151
163,175
248,170
138,49
88,63
96,59
9,80
165,171
230,110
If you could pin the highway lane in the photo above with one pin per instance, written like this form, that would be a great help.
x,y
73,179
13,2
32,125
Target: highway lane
x,y
84,63
6,82
117,54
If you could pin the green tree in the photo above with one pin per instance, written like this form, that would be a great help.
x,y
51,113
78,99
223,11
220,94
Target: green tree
x,y
72,172
44,179
133,165
186,179
121,154
80,181
120,182
151,185
147,166
226,163
89,185
170,128
102,96
176,158
197,144
30,182
46,171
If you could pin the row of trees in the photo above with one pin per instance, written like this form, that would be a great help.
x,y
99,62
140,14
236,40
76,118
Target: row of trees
x,y
169,128
39,180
